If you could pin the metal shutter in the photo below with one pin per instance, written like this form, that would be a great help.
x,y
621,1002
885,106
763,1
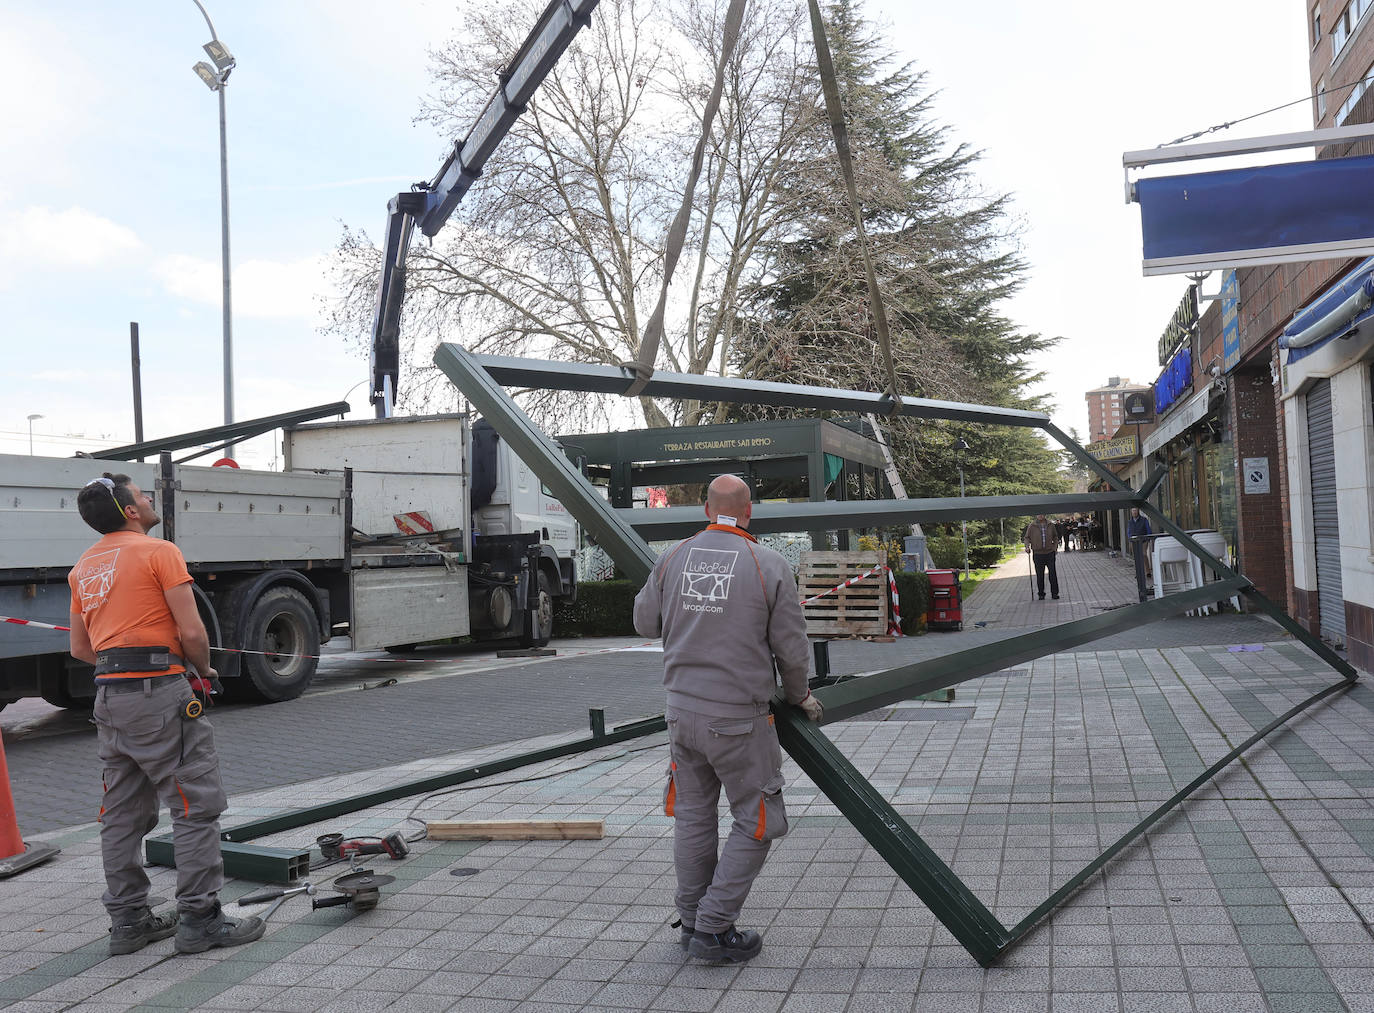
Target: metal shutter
x,y
1321,458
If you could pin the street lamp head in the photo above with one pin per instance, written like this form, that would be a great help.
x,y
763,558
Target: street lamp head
x,y
962,444
219,52
207,74
35,416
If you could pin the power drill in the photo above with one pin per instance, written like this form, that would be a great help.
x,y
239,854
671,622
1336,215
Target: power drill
x,y
334,847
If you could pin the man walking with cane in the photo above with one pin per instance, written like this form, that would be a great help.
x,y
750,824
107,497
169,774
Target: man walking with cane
x,y
1041,540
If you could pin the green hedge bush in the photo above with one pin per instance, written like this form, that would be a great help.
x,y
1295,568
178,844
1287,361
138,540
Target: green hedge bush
x,y
913,592
604,608
981,557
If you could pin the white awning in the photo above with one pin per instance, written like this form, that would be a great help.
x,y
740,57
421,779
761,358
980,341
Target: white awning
x,y
1193,411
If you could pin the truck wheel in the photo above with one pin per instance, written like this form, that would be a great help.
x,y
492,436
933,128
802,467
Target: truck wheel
x,y
283,628
539,620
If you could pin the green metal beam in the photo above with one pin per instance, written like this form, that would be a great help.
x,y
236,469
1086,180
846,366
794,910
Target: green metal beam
x,y
343,806
957,907
848,699
547,461
241,861
1252,594
835,515
543,374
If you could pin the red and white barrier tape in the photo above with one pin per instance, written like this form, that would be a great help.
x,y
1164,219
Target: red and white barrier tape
x,y
34,622
279,654
894,622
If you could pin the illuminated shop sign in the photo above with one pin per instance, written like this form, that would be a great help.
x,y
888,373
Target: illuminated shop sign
x,y
1176,379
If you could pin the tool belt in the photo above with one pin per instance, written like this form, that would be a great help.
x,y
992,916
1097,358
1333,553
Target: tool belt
x,y
117,660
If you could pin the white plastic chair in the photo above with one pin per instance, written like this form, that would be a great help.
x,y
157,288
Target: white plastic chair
x,y
1173,571
1213,542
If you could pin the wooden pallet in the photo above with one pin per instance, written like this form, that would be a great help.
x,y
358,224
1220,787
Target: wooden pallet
x,y
860,610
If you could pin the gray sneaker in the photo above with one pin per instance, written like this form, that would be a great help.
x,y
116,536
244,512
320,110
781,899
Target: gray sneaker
x,y
208,931
142,928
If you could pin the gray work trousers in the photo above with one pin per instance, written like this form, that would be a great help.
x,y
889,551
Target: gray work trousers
x,y
741,755
150,752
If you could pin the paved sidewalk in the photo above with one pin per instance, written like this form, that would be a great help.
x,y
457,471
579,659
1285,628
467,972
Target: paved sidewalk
x,y
1257,894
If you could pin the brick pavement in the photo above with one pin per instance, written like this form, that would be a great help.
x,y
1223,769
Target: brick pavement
x,y
452,702
1255,895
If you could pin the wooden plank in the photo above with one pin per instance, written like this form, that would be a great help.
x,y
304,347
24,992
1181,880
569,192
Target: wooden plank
x,y
516,830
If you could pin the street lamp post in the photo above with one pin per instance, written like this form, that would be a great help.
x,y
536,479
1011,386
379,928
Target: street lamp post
x,y
31,418
216,78
962,445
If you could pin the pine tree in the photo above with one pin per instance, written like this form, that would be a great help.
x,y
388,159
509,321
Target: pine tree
x,y
945,255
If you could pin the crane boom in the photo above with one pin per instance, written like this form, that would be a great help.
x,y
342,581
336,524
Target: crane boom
x,y
429,205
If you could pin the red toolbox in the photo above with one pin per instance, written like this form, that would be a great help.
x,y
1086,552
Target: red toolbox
x,y
946,609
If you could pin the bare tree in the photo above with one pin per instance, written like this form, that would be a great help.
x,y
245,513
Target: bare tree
x,y
558,250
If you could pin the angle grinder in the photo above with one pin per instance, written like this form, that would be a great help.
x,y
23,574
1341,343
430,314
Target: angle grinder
x,y
361,890
334,847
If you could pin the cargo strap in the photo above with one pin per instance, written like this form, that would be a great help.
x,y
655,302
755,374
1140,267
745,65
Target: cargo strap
x,y
643,364
116,660
831,89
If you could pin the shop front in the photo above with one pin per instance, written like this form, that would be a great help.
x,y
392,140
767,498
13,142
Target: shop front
x,y
1327,380
1194,444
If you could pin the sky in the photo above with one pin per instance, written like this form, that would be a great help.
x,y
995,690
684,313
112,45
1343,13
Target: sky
x,y
110,195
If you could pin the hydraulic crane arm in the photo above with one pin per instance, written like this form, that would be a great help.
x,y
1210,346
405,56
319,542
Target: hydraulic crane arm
x,y
430,205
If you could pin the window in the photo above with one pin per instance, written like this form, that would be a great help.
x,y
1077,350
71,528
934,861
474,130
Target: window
x,y
1321,100
1357,91
1316,26
1347,24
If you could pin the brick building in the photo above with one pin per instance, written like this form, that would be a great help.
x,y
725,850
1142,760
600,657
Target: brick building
x,y
1308,411
1106,412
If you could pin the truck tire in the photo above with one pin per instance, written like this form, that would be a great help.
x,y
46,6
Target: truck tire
x,y
538,626
284,629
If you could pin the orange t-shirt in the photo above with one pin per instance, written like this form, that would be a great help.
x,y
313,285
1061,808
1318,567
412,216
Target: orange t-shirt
x,y
118,585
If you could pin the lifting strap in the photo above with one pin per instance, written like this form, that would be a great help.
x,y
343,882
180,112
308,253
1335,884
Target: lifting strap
x,y
643,364
831,89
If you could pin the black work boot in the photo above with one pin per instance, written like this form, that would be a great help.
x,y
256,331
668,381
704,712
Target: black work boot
x,y
687,933
140,929
212,929
731,945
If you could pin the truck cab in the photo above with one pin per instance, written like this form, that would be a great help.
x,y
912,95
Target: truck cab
x,y
508,499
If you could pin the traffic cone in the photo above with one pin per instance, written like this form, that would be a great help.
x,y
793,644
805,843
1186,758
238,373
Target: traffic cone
x,y
15,856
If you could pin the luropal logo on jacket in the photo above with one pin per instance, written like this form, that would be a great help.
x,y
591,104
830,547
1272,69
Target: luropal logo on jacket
x,y
94,578
706,576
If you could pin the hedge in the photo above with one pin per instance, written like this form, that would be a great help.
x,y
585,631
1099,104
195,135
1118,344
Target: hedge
x,y
605,608
913,592
947,552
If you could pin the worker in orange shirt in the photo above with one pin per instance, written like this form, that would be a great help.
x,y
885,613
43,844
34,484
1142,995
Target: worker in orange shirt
x,y
134,618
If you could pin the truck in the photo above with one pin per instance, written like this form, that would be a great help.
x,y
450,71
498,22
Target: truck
x,y
390,532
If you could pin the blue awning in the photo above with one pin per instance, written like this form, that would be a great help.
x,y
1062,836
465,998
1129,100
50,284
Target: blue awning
x,y
1262,214
1336,313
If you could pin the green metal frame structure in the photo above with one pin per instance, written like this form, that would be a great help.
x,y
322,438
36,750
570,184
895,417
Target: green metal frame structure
x,y
621,534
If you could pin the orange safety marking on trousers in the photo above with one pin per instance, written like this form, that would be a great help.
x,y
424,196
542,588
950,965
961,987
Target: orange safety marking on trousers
x,y
185,802
763,821
104,790
671,798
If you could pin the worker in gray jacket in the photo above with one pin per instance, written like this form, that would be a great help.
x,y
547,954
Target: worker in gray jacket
x,y
728,610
